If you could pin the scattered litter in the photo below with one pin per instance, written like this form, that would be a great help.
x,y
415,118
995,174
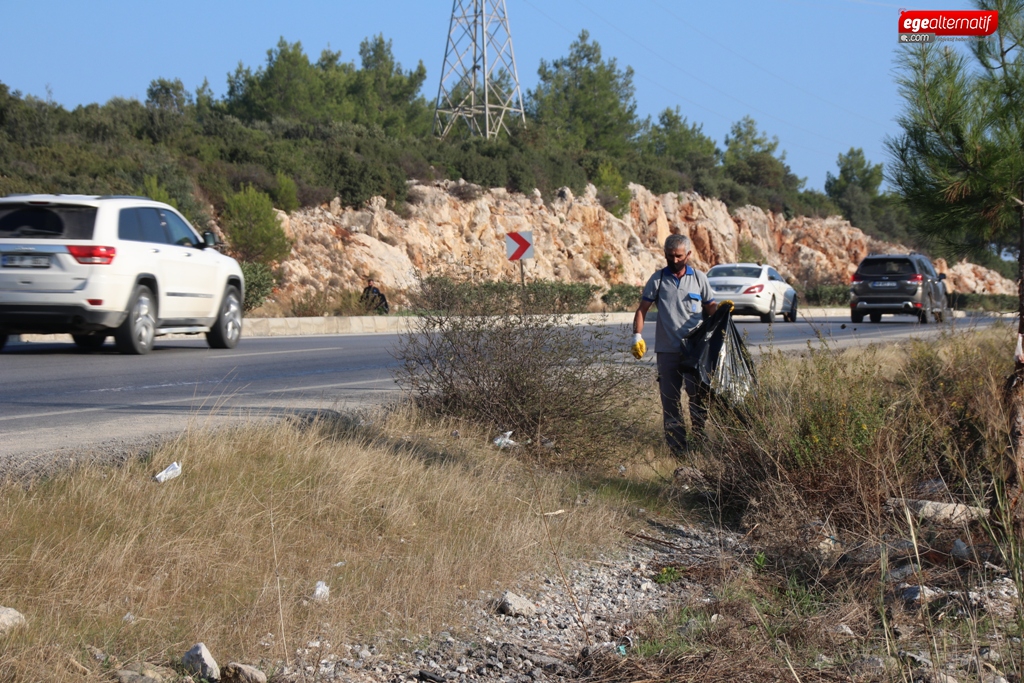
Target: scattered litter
x,y
621,649
505,441
547,443
455,434
170,472
321,593
556,512
340,564
128,618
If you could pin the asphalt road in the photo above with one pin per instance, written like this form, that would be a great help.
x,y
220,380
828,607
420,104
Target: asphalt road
x,y
54,398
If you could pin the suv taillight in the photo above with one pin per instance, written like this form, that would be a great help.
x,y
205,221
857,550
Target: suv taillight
x,y
916,279
92,255
855,278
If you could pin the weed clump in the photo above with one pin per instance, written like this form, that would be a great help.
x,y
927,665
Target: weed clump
x,y
833,435
564,389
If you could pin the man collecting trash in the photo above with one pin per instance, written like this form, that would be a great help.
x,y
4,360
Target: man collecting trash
x,y
683,295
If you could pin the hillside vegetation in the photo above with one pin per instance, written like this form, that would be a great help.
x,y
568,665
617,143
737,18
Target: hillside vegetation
x,y
304,131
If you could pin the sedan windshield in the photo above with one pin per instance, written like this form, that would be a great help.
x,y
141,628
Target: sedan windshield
x,y
735,271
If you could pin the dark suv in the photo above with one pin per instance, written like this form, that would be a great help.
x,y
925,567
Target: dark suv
x,y
900,284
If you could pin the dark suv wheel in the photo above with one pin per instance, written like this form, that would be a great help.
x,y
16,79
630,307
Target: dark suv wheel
x,y
227,330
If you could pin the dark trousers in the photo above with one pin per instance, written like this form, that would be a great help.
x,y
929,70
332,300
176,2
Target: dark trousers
x,y
672,378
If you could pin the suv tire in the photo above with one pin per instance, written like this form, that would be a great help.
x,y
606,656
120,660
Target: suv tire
x,y
856,317
136,333
926,312
91,341
227,330
3,340
875,317
769,317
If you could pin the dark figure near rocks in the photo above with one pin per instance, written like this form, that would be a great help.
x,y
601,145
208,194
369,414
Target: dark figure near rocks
x,y
373,300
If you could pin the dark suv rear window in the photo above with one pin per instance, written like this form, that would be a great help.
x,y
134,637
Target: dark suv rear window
x,y
47,222
887,266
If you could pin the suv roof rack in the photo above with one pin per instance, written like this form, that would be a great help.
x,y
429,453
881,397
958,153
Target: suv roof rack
x,y
123,196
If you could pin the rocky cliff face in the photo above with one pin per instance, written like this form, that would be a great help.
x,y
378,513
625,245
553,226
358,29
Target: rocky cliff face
x,y
458,230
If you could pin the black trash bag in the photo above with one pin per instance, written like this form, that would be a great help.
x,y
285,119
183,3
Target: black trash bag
x,y
715,350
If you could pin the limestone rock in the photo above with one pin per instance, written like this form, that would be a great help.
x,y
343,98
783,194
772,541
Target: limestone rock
x,y
199,661
242,673
144,672
10,619
940,513
516,606
449,230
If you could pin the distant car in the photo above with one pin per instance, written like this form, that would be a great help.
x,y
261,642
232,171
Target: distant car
x,y
129,267
755,289
899,284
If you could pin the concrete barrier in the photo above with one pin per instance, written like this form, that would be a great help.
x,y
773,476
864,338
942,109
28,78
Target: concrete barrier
x,y
392,324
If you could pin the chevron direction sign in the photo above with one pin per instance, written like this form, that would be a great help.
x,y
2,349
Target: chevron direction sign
x,y
519,245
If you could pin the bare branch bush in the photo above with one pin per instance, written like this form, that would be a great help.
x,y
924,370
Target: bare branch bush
x,y
565,390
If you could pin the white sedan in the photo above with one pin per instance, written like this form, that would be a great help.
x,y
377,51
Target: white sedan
x,y
754,289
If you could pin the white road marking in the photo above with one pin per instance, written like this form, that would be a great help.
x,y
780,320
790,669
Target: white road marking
x,y
229,356
169,401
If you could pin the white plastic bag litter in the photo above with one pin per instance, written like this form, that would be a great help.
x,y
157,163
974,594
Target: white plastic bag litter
x,y
505,441
321,593
170,472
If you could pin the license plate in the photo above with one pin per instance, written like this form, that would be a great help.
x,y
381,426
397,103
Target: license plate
x,y
726,288
25,261
880,285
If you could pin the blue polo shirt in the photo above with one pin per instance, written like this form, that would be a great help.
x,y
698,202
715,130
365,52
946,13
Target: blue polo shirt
x,y
680,301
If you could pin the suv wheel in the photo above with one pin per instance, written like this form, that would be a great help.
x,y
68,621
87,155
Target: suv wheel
x,y
135,335
926,312
856,317
226,332
90,342
875,317
3,340
769,317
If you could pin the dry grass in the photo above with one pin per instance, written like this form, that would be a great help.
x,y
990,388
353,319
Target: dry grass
x,y
401,529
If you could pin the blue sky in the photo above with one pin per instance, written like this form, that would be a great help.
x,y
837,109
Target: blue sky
x,y
818,74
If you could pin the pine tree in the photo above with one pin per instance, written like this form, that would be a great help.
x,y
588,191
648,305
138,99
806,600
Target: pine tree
x,y
959,161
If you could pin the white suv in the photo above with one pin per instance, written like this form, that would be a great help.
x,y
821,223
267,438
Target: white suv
x,y
123,266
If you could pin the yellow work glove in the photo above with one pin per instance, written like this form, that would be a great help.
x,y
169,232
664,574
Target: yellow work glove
x,y
639,347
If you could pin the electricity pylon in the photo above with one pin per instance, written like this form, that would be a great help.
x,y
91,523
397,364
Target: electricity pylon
x,y
479,81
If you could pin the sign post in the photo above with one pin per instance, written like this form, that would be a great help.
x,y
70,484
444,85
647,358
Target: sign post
x,y
519,246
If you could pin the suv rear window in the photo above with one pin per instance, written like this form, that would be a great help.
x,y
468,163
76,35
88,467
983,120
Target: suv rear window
x,y
47,222
887,266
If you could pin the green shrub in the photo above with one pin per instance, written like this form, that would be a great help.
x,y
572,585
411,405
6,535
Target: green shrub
x,y
827,295
612,190
152,188
498,298
252,226
983,302
622,297
749,253
259,283
286,194
312,304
